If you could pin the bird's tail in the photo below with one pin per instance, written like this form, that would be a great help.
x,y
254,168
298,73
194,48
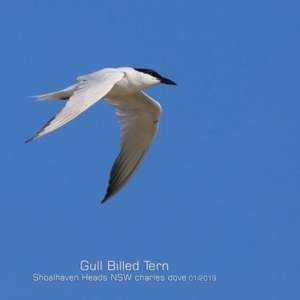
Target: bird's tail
x,y
60,95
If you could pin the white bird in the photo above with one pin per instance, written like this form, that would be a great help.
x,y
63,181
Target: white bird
x,y
137,113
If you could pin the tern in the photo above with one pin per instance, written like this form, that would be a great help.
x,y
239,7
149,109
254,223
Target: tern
x,y
137,113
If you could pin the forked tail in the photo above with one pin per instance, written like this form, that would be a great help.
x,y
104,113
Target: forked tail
x,y
60,95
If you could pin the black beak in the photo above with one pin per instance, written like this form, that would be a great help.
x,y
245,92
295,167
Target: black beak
x,y
167,81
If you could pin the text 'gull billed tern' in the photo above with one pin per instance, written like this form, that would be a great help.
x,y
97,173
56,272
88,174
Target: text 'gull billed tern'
x,y
137,113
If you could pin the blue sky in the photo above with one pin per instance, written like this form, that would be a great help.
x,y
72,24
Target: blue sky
x,y
218,192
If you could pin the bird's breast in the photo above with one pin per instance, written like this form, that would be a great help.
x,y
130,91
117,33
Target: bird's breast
x,y
125,87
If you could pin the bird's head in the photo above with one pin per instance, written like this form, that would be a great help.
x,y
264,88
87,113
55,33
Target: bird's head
x,y
153,77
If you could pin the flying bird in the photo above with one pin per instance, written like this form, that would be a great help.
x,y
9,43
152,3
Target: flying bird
x,y
138,114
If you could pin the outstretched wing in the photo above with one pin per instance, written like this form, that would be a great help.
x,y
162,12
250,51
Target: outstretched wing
x,y
138,115
89,90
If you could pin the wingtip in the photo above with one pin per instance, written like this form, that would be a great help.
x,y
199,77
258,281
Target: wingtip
x,y
28,141
106,197
32,138
104,200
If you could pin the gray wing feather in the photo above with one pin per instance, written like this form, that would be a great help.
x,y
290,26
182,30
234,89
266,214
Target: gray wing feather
x,y
138,115
88,91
